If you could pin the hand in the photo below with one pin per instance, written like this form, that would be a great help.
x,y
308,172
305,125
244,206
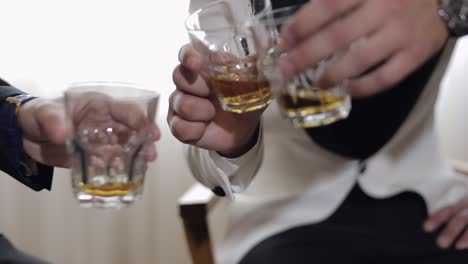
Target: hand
x,y
391,40
196,117
43,124
45,133
455,219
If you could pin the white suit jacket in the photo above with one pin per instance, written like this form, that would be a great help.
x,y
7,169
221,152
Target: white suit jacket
x,y
287,180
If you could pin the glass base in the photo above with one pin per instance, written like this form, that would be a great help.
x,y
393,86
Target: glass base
x,y
249,106
115,202
322,118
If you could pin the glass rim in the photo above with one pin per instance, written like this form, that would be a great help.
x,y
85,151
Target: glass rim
x,y
267,13
204,8
142,90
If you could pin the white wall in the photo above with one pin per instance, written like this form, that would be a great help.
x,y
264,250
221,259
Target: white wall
x,y
48,44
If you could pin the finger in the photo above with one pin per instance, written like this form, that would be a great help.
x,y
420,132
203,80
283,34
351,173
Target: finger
x,y
362,55
190,82
453,229
50,120
98,164
129,114
225,58
384,77
438,218
191,59
182,50
156,133
47,153
186,131
336,37
151,153
192,108
313,16
462,242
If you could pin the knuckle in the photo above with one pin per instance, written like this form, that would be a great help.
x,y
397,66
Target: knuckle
x,y
302,58
186,57
333,74
340,36
191,58
362,57
176,75
298,26
187,106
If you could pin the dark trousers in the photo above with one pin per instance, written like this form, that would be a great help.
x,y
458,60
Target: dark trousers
x,y
362,230
10,255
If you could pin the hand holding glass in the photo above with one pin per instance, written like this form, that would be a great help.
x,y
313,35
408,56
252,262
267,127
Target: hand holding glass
x,y
229,53
111,127
300,99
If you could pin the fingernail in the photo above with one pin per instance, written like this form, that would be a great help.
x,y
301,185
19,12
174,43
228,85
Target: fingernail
x,y
181,53
171,123
176,100
287,68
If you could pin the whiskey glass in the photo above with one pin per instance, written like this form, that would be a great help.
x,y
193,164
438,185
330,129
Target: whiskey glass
x,y
217,32
110,133
300,99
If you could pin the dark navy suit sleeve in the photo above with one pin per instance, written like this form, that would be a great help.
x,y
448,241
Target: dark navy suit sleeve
x,y
13,160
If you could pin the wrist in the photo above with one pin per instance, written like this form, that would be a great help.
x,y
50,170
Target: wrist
x,y
243,148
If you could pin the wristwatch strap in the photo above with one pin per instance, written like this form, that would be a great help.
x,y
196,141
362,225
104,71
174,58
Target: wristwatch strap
x,y
455,15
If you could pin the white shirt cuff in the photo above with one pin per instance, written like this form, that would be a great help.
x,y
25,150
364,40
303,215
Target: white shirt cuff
x,y
233,175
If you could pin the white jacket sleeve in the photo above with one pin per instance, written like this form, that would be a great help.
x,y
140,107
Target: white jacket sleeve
x,y
232,175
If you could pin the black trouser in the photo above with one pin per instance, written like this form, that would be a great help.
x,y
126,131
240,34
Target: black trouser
x,y
10,255
362,230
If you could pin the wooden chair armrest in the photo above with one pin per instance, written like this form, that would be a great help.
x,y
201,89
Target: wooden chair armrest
x,y
194,207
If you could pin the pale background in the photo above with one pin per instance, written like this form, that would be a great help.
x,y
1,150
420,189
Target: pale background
x,y
46,45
